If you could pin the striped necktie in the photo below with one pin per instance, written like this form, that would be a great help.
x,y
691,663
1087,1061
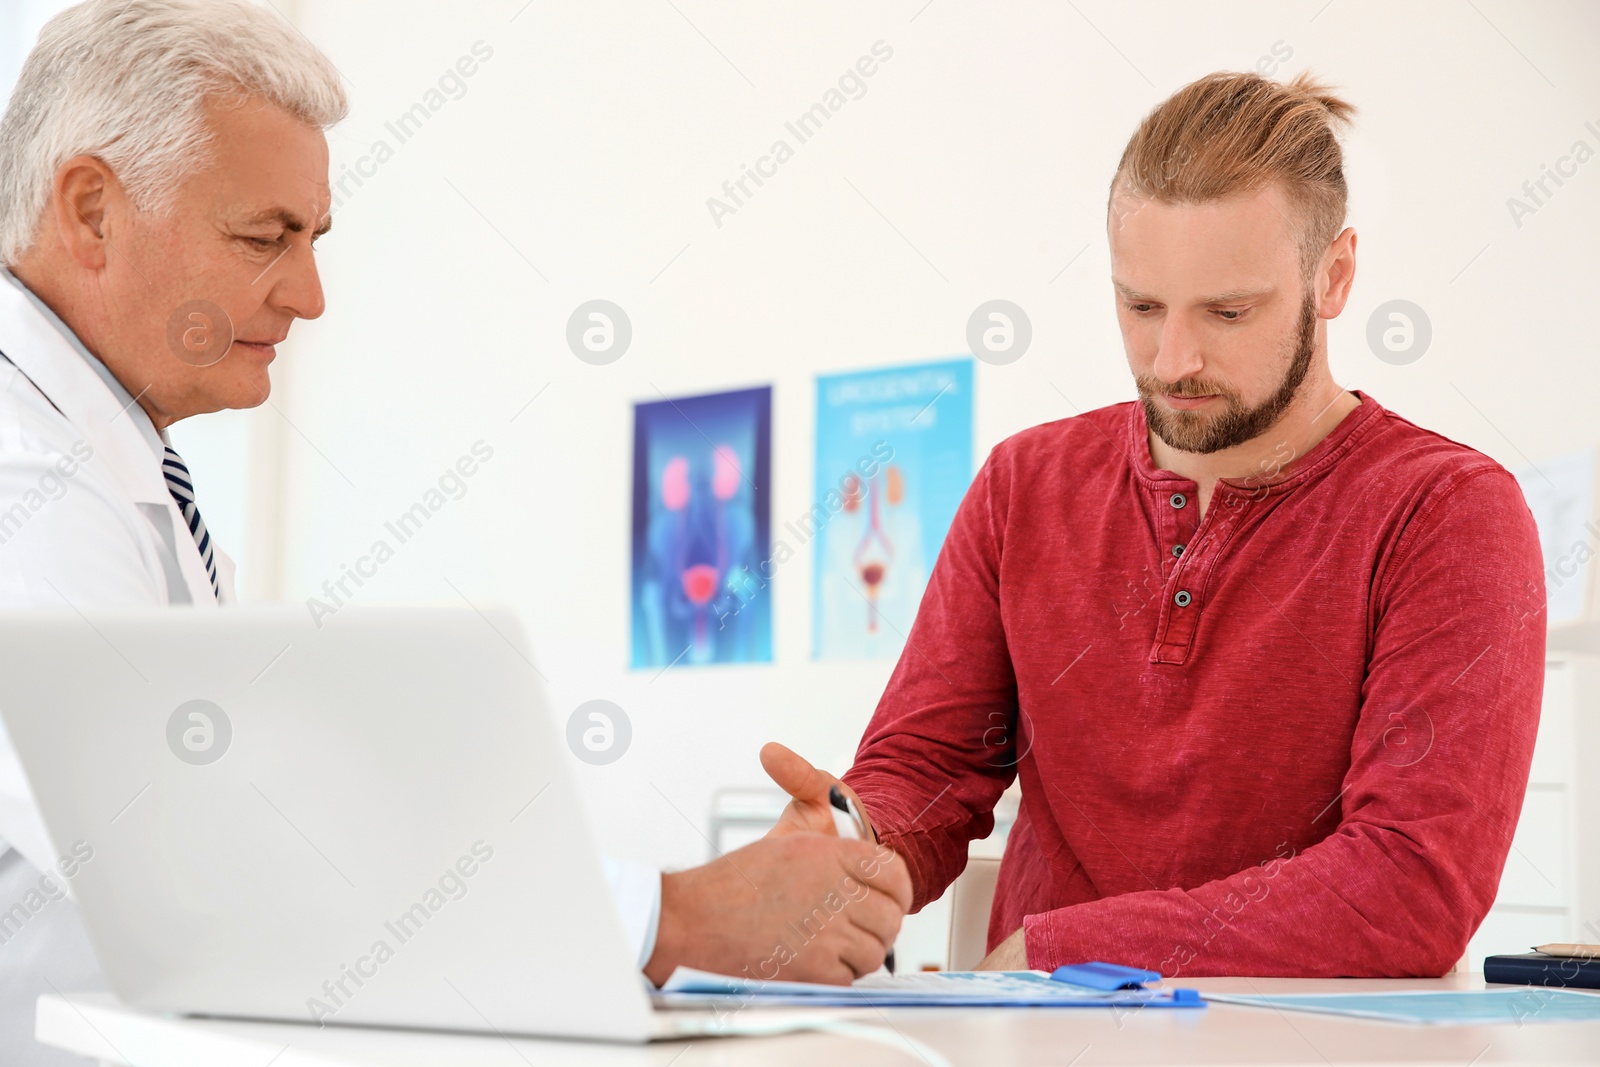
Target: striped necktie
x,y
181,486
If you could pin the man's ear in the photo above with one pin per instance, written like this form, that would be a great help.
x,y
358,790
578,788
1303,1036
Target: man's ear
x,y
80,204
1340,265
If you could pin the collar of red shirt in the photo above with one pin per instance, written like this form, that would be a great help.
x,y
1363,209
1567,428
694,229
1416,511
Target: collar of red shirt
x,y
1280,471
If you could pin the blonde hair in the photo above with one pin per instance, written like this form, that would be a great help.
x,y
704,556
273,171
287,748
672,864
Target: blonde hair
x,y
126,81
1233,133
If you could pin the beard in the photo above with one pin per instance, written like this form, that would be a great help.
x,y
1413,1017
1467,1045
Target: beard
x,y
1193,431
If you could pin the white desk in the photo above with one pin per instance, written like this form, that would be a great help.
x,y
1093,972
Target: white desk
x,y
97,1027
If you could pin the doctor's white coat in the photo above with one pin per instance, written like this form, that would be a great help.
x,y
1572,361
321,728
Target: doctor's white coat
x,y
86,520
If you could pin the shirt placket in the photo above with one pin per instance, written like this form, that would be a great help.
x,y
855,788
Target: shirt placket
x,y
1191,547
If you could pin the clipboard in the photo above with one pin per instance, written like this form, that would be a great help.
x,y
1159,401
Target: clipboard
x,y
1095,985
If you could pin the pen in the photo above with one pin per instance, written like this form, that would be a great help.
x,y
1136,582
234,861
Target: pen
x,y
1582,952
850,825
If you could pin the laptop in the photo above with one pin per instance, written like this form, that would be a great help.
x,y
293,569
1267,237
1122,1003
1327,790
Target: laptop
x,y
367,821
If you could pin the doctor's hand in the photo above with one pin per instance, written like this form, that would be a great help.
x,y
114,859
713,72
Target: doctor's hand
x,y
800,907
809,809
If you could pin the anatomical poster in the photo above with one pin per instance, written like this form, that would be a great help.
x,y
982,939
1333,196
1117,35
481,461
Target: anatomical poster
x,y
702,470
894,458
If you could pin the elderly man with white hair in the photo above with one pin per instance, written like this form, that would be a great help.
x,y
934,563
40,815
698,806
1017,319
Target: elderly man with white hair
x,y
163,183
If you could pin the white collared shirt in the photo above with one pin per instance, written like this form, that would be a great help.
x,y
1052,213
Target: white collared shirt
x,y
157,439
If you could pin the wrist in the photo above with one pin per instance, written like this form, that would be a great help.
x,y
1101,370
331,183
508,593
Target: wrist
x,y
861,809
670,940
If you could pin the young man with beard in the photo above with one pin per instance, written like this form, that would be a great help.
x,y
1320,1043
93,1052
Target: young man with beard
x,y
1266,657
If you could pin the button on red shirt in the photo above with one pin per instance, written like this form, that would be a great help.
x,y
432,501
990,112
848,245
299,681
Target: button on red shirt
x,y
1290,737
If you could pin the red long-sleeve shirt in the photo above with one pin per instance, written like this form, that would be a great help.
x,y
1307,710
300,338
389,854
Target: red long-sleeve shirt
x,y
1288,738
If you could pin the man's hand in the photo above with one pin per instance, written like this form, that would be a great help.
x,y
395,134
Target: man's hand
x,y
797,906
809,811
1009,955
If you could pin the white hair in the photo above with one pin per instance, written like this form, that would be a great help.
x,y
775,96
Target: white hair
x,y
126,81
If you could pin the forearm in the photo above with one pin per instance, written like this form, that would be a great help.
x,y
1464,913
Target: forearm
x,y
940,750
927,820
1362,903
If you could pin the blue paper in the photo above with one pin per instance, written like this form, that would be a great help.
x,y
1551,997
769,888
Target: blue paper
x,y
1437,1008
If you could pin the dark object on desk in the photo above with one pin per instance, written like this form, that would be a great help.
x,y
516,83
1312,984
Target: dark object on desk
x,y
1536,968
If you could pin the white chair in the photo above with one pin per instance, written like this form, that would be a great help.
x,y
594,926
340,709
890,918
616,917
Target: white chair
x,y
971,896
